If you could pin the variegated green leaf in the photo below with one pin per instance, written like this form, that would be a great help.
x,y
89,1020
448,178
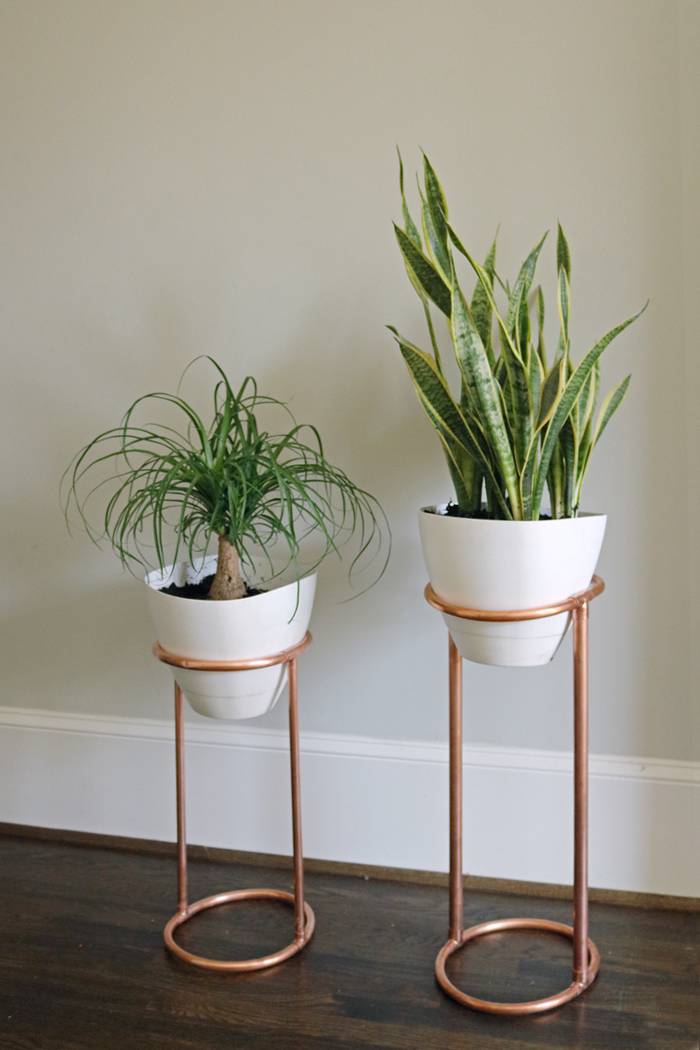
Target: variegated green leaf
x,y
410,227
589,397
568,442
611,403
608,408
487,285
555,484
521,288
534,381
518,425
442,411
481,306
563,302
475,366
563,253
566,402
541,349
425,273
464,471
435,217
518,400
435,393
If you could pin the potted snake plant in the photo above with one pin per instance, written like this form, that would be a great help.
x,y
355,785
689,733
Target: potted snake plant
x,y
171,488
521,427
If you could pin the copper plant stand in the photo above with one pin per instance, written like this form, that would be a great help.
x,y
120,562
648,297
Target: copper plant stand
x,y
304,919
586,957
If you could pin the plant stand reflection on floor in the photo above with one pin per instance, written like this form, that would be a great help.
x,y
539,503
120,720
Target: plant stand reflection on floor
x,y
304,920
586,957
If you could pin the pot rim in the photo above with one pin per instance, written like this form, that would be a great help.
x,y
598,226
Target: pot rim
x,y
430,510
165,575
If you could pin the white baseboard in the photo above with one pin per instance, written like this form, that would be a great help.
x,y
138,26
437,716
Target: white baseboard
x,y
365,801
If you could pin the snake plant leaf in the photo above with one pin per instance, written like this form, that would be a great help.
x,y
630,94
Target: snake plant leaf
x,y
446,418
458,465
563,253
518,424
592,434
534,381
410,227
563,302
482,311
435,216
541,348
522,285
518,401
431,331
524,329
487,285
474,364
539,298
589,396
527,475
435,394
569,446
474,471
608,408
425,273
411,231
555,484
438,255
464,471
566,402
586,408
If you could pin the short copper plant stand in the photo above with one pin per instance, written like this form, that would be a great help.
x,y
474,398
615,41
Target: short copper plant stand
x,y
586,957
304,920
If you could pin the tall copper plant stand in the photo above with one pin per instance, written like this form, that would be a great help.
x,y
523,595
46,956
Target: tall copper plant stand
x,y
304,920
586,957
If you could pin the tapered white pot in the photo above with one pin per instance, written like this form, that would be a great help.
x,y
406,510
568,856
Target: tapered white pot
x,y
501,565
242,629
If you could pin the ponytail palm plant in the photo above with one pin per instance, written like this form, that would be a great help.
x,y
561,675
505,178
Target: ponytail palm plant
x,y
520,423
172,488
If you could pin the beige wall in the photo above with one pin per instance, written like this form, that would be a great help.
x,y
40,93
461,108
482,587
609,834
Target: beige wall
x,y
219,177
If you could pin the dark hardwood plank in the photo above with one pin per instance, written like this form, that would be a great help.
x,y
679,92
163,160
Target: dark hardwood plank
x,y
82,964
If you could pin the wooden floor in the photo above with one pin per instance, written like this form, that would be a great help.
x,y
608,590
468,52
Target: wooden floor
x,y
82,965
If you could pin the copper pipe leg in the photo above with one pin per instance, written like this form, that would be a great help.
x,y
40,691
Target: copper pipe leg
x,y
586,957
456,868
580,618
180,800
304,919
296,802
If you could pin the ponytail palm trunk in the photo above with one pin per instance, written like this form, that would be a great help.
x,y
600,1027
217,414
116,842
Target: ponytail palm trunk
x,y
228,581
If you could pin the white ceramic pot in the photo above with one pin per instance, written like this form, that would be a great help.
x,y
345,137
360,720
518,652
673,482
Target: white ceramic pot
x,y
241,629
482,564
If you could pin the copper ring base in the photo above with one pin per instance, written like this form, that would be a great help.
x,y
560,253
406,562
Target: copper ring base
x,y
534,1006
304,919
238,965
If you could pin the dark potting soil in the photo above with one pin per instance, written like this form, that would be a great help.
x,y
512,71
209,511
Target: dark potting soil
x,y
201,590
452,511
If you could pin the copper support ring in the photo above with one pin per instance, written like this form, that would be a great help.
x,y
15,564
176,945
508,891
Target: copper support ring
x,y
534,1006
304,919
242,965
586,957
